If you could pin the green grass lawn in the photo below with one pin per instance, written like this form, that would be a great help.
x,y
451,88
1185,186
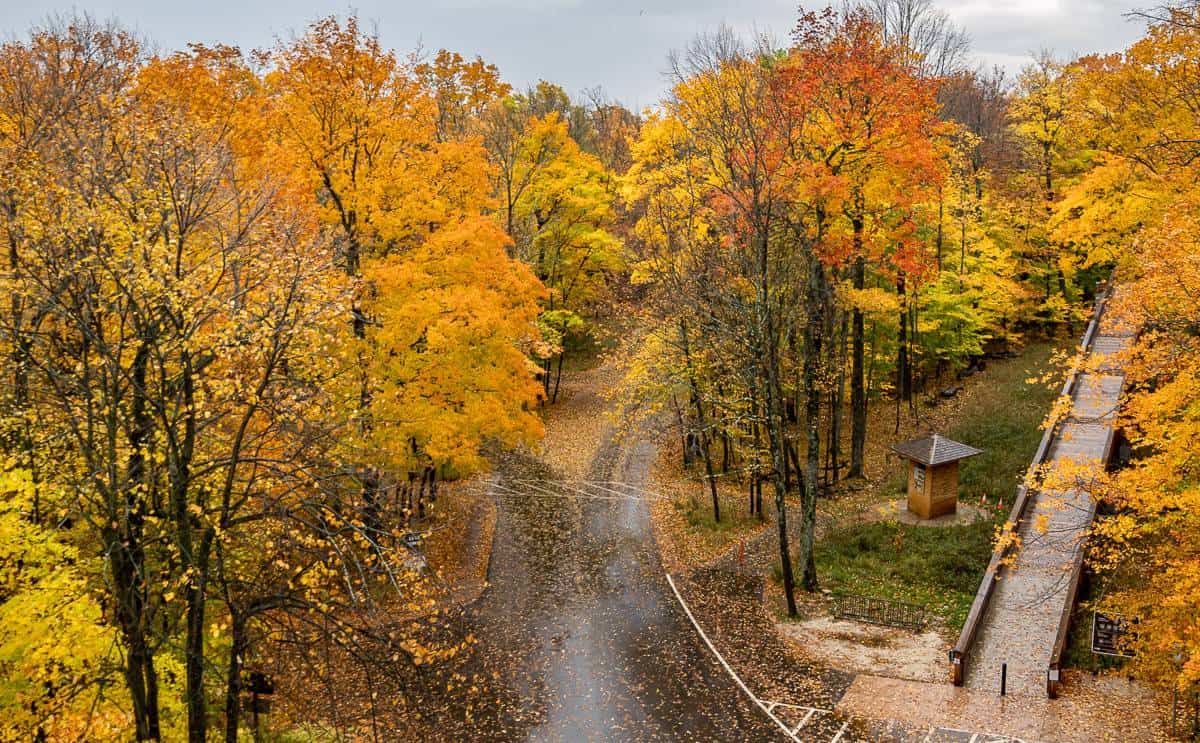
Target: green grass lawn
x,y
938,568
1003,418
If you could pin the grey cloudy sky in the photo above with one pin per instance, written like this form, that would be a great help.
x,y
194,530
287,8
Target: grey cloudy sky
x,y
619,44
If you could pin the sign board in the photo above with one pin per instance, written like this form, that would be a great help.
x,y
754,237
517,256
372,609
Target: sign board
x,y
412,540
919,477
1110,635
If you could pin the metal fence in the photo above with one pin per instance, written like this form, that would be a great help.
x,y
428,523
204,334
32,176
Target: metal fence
x,y
880,611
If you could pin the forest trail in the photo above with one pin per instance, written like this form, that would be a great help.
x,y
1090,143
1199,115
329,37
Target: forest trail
x,y
579,636
1020,624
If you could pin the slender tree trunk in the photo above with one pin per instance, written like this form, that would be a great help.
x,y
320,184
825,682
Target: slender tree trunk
x,y
858,392
233,679
756,470
701,422
141,680
903,375
794,457
558,377
195,556
768,342
828,363
814,304
409,493
197,707
835,429
682,429
941,226
913,341
1048,170
725,461
962,236
369,476
758,496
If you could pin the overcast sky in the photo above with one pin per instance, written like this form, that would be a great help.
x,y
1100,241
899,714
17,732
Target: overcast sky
x,y
619,44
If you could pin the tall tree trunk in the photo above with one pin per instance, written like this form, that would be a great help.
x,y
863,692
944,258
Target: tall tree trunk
x,y
768,343
1048,170
682,429
700,421
858,392
758,488
369,476
558,377
941,226
794,457
903,374
962,236
814,305
197,706
839,398
233,678
194,555
127,565
421,493
914,304
828,362
755,472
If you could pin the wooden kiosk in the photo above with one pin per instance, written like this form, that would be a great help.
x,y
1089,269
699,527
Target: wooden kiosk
x,y
933,474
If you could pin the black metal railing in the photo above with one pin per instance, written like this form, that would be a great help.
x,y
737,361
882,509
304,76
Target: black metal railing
x,y
880,611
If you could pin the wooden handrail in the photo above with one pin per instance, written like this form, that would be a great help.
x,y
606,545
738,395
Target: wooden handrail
x,y
959,654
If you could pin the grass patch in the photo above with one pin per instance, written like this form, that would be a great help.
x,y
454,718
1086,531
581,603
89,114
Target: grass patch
x,y
938,568
699,516
1003,419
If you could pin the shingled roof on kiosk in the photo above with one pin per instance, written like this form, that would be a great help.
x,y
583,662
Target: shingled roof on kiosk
x,y
934,450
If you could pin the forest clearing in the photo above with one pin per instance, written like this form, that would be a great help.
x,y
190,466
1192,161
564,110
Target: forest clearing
x,y
848,391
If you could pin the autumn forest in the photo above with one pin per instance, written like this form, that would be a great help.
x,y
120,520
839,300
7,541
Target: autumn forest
x,y
352,393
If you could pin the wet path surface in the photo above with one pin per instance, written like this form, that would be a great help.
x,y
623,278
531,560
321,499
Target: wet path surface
x,y
579,637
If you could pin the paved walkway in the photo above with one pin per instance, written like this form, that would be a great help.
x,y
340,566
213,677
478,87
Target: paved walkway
x,y
1021,623
1097,710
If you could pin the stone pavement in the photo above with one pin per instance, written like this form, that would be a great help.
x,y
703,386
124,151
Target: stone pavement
x,y
1090,710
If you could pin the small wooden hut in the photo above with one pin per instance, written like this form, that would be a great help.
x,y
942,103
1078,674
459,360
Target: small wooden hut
x,y
933,473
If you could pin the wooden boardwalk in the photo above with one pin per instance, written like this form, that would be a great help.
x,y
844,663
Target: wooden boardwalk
x,y
1021,619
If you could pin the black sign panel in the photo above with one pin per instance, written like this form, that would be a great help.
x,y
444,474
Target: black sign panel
x,y
1110,635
